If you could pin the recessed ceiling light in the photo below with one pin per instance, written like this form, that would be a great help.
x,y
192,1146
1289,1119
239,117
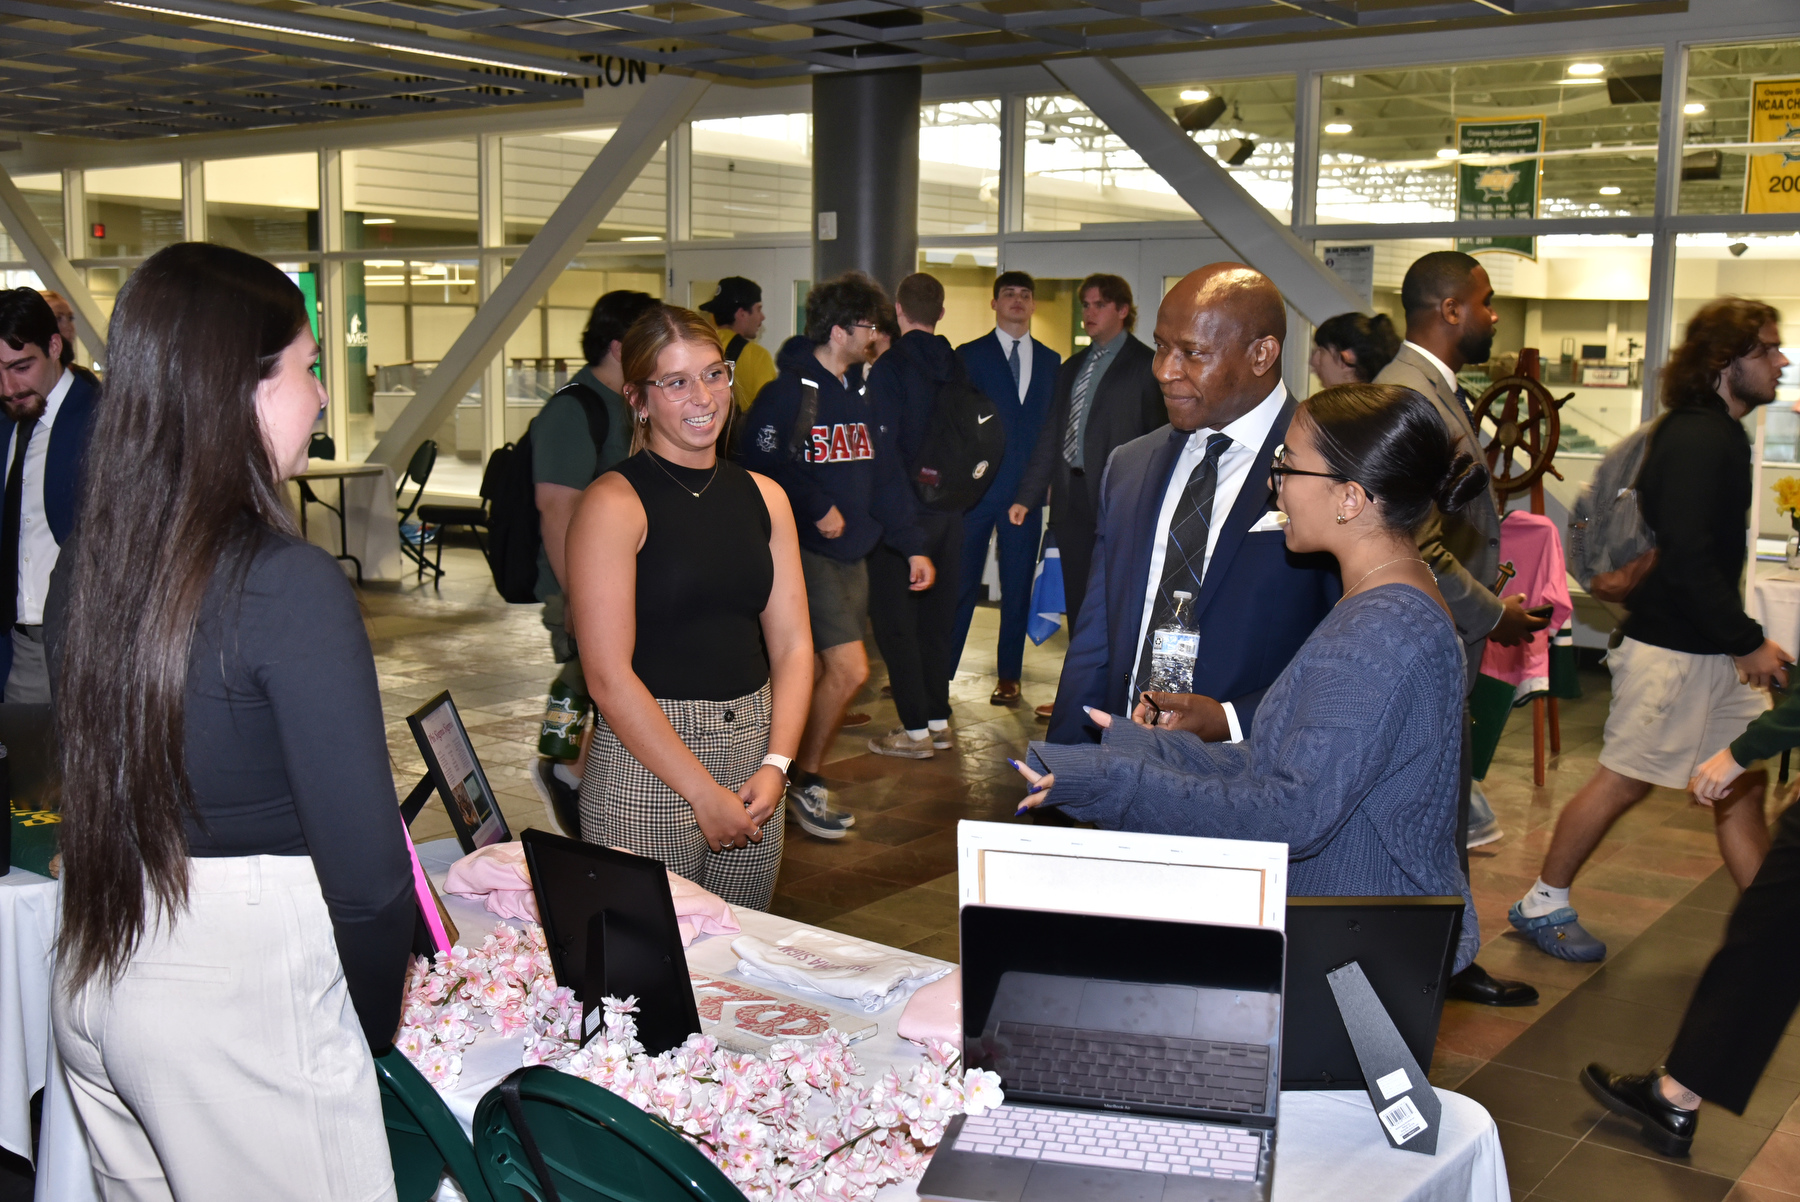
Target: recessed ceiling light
x,y
1447,153
1610,190
1693,109
641,238
1338,127
1196,94
378,220
1586,69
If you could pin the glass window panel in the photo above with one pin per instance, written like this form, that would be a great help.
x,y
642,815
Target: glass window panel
x,y
539,171
266,205
959,167
1388,141
967,274
1717,124
132,211
1583,304
403,196
752,175
545,350
44,194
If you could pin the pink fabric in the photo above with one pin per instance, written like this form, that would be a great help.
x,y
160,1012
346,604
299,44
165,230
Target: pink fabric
x,y
496,876
1530,543
427,904
934,1012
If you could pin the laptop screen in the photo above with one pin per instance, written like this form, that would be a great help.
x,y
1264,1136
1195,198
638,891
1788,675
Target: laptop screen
x,y
1126,1014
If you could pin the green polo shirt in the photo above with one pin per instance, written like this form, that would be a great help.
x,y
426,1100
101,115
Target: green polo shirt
x,y
563,451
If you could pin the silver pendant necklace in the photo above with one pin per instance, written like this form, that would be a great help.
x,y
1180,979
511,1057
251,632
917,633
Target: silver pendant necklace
x,y
657,460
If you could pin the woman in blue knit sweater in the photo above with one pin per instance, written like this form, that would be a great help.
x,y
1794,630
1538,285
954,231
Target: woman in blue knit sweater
x,y
1353,761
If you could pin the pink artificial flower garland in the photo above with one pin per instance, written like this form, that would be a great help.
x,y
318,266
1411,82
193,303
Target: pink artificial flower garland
x,y
789,1127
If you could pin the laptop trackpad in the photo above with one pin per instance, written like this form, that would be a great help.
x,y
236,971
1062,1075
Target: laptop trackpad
x,y
1073,1183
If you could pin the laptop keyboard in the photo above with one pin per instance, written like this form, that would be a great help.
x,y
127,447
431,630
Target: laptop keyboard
x,y
1114,1141
1136,1068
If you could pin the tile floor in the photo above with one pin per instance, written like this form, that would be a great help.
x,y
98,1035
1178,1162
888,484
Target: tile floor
x,y
1655,890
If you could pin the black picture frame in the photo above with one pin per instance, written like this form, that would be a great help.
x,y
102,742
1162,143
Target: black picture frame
x,y
455,770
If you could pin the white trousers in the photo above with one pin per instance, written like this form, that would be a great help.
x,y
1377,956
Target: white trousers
x,y
226,1062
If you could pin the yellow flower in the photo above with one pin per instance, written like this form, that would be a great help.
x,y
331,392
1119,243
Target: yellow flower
x,y
1787,495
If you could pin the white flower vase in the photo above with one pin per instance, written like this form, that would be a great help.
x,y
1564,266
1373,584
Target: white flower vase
x,y
1793,549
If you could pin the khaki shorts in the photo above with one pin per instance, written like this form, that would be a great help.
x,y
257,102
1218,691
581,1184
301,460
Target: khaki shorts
x,y
837,598
1672,711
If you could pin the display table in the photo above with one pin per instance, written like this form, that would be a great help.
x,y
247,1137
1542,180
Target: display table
x,y
1329,1144
368,526
1774,601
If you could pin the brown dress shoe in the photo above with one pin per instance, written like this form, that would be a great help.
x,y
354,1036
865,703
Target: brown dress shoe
x,y
1005,693
856,719
1044,711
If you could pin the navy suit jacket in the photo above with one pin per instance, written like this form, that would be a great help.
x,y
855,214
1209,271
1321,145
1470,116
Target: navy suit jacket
x,y
1022,420
63,463
1258,602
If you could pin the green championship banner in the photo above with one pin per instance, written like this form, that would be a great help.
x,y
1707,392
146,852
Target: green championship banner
x,y
1501,191
1772,184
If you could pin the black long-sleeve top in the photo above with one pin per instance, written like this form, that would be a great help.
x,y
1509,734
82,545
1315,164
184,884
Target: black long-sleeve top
x,y
287,756
1694,489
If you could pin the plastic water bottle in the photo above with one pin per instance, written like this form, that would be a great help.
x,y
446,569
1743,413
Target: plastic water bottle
x,y
1174,646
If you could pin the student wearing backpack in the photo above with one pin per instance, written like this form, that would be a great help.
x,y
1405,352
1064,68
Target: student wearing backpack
x,y
1105,396
913,626
1691,671
814,432
579,434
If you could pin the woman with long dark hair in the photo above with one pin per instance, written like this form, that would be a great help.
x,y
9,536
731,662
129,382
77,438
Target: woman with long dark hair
x,y
237,896
1354,758
687,598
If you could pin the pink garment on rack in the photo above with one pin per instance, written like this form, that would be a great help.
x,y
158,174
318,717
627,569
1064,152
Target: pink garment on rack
x,y
1530,543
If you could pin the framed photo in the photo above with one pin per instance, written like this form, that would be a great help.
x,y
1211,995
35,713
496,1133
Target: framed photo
x,y
451,764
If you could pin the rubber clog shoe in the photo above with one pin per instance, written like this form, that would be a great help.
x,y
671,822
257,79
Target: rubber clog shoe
x,y
1558,933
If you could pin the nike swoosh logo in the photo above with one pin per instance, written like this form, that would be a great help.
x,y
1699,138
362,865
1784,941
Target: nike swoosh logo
x,y
982,421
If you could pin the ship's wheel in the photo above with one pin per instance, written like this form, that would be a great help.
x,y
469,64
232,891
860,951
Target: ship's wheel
x,y
1517,423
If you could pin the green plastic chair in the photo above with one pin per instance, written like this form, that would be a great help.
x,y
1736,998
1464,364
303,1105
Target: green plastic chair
x,y
424,1138
596,1146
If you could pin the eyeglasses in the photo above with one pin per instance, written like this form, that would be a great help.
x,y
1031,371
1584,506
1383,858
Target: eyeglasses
x,y
716,378
1280,469
865,325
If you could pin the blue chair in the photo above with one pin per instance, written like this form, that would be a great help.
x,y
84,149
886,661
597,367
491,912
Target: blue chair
x,y
424,1138
594,1146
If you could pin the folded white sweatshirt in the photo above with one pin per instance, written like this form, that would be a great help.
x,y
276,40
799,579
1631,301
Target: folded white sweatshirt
x,y
865,974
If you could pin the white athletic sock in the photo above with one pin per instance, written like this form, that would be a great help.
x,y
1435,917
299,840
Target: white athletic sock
x,y
1543,899
566,775
916,735
939,724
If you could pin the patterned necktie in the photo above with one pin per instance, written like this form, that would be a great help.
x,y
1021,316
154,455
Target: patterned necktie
x,y
1462,394
10,519
1184,556
1079,399
1012,361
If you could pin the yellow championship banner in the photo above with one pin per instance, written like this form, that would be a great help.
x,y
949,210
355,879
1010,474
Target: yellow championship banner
x,y
1773,185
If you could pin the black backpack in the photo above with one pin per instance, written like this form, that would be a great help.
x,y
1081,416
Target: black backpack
x,y
963,446
510,489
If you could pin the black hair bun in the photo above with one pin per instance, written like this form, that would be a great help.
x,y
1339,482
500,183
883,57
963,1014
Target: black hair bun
x,y
1464,480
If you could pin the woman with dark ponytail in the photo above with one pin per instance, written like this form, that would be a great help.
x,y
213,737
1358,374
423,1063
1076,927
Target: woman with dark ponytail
x,y
1353,760
1352,348
237,906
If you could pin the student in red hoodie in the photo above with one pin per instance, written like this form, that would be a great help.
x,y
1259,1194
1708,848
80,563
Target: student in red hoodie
x,y
814,431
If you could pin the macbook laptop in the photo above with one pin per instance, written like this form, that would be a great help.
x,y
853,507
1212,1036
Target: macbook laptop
x,y
1405,946
1141,1060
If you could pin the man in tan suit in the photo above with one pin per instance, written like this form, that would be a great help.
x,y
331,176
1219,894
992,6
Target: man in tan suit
x,y
1450,322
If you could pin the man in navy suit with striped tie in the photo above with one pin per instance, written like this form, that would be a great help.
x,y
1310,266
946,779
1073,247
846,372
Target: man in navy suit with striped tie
x,y
1018,373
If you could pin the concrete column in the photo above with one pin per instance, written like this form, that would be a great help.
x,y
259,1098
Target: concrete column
x,y
866,174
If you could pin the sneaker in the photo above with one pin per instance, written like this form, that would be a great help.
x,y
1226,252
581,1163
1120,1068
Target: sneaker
x,y
1558,933
943,739
1491,833
810,806
562,802
901,745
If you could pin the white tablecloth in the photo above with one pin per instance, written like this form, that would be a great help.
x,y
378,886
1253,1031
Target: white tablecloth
x,y
29,909
1775,602
1328,1144
372,522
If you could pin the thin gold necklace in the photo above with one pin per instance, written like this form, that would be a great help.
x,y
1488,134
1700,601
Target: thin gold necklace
x,y
657,460
1390,563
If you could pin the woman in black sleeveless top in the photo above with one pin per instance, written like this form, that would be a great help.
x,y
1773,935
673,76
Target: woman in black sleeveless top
x,y
686,597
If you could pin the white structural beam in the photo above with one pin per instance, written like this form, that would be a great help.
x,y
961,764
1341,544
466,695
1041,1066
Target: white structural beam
x,y
1251,231
664,104
52,266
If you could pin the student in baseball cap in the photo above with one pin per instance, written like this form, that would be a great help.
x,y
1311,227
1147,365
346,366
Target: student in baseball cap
x,y
736,309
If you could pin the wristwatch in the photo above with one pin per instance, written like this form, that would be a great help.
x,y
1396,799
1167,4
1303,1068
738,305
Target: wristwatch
x,y
784,763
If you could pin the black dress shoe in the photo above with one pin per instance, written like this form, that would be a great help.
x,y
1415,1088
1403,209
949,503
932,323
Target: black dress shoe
x,y
1473,984
1666,1127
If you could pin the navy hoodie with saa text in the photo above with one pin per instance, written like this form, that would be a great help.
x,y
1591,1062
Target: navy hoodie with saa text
x,y
844,460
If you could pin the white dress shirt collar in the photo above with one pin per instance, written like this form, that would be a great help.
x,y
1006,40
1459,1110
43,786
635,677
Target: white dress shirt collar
x,y
38,548
1443,368
1024,342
